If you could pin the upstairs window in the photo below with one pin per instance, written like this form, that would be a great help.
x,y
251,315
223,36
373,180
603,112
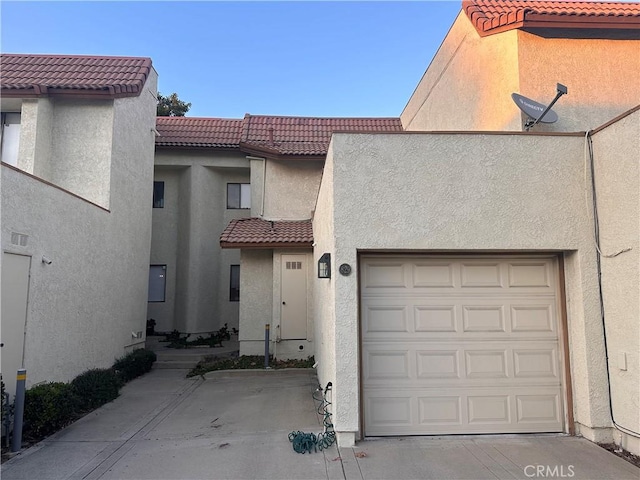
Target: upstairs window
x,y
238,195
10,140
158,194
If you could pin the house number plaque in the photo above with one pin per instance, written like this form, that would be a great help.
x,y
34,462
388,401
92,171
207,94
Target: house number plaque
x,y
345,269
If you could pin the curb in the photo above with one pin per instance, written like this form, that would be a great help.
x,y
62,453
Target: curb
x,y
248,372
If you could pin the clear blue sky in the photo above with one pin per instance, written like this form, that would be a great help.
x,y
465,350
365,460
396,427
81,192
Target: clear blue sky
x,y
231,58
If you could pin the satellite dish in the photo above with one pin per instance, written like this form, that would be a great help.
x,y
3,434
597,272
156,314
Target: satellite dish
x,y
534,109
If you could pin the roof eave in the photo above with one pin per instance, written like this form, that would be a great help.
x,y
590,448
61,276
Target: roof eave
x,y
274,154
265,245
32,92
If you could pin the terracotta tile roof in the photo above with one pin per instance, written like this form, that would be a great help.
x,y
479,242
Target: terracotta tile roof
x,y
305,135
494,16
264,134
259,233
198,132
24,75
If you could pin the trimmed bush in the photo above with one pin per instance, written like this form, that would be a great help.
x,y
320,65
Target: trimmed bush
x,y
134,364
96,387
48,408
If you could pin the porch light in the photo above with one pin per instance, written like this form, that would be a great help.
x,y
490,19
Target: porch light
x,y
324,266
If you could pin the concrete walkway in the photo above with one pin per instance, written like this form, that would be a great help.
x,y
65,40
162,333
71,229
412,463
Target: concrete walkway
x,y
234,425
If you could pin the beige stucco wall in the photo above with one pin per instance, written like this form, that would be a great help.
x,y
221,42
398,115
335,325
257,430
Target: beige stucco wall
x,y
256,299
617,159
69,143
601,77
466,193
186,236
84,306
469,82
324,289
291,189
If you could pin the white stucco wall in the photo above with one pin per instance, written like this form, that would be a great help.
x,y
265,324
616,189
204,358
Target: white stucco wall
x,y
617,159
469,83
601,77
324,289
186,235
256,299
84,306
69,143
291,189
460,193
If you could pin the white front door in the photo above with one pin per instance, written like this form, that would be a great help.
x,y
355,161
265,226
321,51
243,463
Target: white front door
x,y
293,317
15,291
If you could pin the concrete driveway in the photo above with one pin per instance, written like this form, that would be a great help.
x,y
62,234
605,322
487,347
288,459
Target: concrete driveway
x,y
235,425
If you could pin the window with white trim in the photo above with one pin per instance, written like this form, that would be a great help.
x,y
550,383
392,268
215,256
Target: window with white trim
x,y
238,195
10,138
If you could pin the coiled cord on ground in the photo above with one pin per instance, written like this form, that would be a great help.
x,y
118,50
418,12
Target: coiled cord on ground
x,y
306,442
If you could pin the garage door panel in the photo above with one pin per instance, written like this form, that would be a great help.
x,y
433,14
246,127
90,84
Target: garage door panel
x,y
433,275
385,365
530,274
437,317
463,346
480,410
483,318
481,274
387,318
465,363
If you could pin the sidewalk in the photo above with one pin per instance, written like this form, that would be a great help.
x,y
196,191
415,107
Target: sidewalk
x,y
235,425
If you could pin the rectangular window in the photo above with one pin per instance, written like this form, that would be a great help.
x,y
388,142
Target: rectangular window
x,y
234,284
157,283
10,139
158,194
238,195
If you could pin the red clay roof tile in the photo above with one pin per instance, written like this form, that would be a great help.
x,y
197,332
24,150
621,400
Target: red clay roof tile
x,y
23,75
259,233
198,132
272,135
494,16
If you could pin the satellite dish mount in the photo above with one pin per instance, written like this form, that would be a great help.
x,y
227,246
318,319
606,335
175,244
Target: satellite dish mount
x,y
537,112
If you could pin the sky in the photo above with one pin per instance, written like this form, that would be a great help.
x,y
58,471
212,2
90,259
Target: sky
x,y
297,58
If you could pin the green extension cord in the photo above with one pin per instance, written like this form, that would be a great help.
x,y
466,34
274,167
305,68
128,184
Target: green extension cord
x,y
305,442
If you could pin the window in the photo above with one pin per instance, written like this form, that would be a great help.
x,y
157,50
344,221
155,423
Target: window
x,y
10,138
157,282
234,284
158,194
238,195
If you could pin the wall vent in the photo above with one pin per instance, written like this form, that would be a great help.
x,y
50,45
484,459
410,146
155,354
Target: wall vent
x,y
294,265
19,239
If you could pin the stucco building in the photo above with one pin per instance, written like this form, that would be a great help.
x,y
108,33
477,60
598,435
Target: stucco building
x,y
452,270
77,169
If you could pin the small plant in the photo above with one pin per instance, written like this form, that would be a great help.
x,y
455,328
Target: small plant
x,y
134,364
48,408
151,327
213,340
172,336
96,387
210,364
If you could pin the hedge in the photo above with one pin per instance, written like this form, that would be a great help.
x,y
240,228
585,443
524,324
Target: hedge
x,y
51,406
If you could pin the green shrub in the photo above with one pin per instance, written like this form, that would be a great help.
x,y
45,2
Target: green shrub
x,y
134,364
96,387
48,408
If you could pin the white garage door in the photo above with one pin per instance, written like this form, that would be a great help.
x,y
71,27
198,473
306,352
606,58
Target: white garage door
x,y
460,345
